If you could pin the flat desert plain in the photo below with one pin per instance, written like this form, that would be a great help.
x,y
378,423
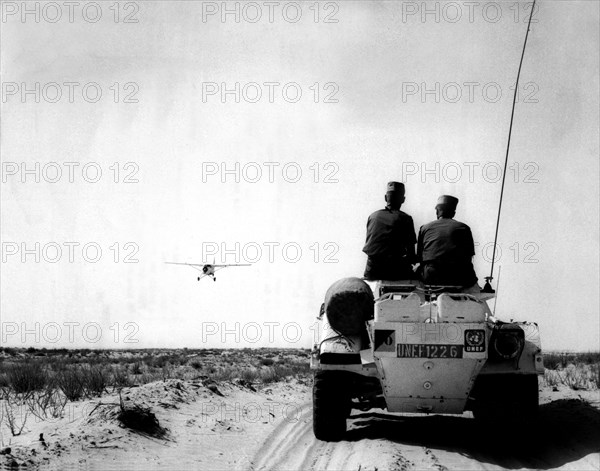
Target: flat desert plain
x,y
251,410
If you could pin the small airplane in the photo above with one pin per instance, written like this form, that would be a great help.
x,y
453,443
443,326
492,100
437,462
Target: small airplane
x,y
209,269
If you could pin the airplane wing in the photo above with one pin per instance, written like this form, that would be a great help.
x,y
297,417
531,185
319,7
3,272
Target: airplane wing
x,y
188,264
232,265
211,264
195,266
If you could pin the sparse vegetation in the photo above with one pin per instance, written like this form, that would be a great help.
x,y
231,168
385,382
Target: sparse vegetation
x,y
25,377
578,371
40,382
83,373
554,360
70,382
120,377
49,403
16,422
95,379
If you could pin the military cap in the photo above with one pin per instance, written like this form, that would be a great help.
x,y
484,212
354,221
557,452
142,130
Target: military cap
x,y
395,186
448,201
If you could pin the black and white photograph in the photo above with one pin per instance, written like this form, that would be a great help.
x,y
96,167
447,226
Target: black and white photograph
x,y
352,235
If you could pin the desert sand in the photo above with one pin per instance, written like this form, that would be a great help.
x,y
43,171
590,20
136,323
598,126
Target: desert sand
x,y
234,425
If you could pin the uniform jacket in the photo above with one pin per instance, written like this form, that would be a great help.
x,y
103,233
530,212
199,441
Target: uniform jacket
x,y
390,233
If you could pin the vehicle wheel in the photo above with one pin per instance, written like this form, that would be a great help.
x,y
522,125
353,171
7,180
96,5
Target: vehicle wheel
x,y
507,400
529,400
331,405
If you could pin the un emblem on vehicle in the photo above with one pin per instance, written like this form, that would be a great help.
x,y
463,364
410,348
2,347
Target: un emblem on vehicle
x,y
475,340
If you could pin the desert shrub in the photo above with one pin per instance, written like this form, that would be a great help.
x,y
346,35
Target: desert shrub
x,y
574,370
276,373
595,373
158,361
57,365
71,382
551,378
136,368
95,379
166,372
26,377
225,373
248,374
49,403
180,360
576,377
120,377
179,373
58,351
149,377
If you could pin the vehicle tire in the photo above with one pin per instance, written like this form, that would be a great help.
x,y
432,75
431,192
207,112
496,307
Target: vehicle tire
x,y
528,404
507,399
331,405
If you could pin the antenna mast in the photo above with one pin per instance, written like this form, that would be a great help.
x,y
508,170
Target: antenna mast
x,y
497,291
488,287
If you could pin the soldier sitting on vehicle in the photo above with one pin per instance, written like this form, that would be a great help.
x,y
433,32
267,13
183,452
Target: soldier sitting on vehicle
x,y
445,249
390,244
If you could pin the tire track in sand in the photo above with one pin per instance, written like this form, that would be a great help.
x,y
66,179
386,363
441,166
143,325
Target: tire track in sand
x,y
293,446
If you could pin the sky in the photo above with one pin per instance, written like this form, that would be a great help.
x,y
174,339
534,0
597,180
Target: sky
x,y
136,133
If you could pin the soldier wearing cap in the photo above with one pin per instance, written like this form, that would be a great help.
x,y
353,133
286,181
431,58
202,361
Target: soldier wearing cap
x,y
390,244
445,248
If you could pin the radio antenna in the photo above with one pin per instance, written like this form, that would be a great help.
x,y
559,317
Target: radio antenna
x,y
488,287
497,291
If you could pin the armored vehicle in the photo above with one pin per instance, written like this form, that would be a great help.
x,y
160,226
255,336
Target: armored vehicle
x,y
410,348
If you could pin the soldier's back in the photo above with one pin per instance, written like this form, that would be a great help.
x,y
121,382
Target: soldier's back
x,y
446,239
387,231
